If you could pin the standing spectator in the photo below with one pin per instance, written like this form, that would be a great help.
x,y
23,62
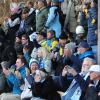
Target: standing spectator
x,y
92,27
53,22
12,23
41,16
71,20
80,34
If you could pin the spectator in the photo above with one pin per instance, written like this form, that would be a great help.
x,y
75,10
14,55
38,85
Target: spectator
x,y
14,80
71,20
27,93
25,41
84,50
34,51
41,39
18,45
12,23
94,85
42,87
51,40
44,59
53,22
77,83
92,26
9,54
41,16
80,34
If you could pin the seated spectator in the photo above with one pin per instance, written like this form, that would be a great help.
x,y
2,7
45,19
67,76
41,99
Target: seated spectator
x,y
84,51
44,59
62,41
93,89
34,51
27,93
41,39
51,40
25,41
69,58
78,85
42,86
26,54
15,80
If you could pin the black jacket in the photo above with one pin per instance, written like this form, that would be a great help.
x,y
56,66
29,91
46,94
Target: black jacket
x,y
45,90
92,93
9,54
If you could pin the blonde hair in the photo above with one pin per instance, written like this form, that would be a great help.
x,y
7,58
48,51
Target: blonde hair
x,y
45,52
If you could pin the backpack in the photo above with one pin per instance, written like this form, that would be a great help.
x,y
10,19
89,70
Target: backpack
x,y
61,16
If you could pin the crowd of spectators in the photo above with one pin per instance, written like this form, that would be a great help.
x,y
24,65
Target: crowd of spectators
x,y
48,51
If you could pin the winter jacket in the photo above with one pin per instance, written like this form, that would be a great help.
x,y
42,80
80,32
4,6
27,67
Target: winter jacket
x,y
41,19
92,26
53,22
14,82
45,90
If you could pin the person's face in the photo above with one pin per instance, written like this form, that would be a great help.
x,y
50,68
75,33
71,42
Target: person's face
x,y
86,65
48,2
40,4
34,67
67,52
94,75
39,38
62,42
81,50
80,35
24,16
36,5
39,53
19,63
24,41
49,35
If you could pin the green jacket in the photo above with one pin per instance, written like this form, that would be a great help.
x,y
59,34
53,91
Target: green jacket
x,y
41,19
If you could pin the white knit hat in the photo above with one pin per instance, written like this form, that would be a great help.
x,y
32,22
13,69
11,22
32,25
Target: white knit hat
x,y
33,60
79,29
95,68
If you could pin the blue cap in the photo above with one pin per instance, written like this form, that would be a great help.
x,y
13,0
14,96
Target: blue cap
x,y
84,44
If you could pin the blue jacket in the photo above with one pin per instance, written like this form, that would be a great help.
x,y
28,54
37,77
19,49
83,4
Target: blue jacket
x,y
86,54
91,36
14,82
53,22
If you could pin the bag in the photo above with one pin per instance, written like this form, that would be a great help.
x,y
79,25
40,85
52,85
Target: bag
x,y
61,16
